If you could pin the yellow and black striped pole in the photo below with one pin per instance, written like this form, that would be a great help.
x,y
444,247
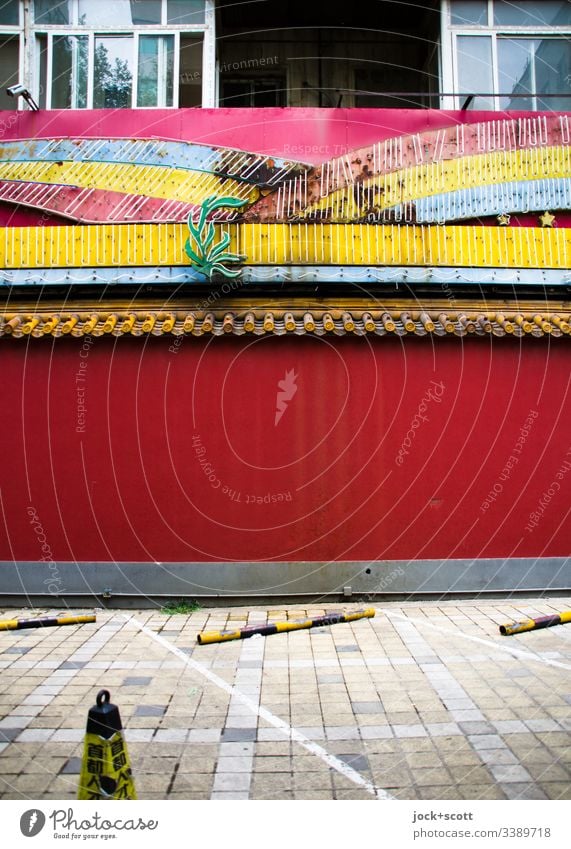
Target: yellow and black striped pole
x,y
535,624
45,622
281,627
105,768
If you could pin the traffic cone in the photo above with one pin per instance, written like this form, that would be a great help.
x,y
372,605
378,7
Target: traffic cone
x,y
105,767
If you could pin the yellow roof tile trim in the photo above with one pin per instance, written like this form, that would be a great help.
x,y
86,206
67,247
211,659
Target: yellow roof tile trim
x,y
80,320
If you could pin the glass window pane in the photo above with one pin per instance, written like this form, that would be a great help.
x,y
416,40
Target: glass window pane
x,y
190,89
52,12
146,12
8,69
42,43
515,56
119,13
69,72
539,13
113,73
469,12
474,54
155,70
553,73
9,12
185,12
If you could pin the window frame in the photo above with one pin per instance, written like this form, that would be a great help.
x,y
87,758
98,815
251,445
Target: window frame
x,y
207,30
450,34
10,31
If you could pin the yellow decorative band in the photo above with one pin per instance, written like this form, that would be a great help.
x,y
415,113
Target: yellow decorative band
x,y
148,180
410,184
115,245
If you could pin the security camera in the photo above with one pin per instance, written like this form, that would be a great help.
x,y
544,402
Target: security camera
x,y
17,91
20,90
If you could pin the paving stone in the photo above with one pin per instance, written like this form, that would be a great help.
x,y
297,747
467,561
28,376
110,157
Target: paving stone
x,y
347,648
16,650
228,781
360,763
509,774
342,732
35,735
237,735
497,756
367,707
171,735
510,726
539,725
72,664
410,731
469,728
242,763
330,679
221,796
135,681
72,766
443,729
9,734
523,791
150,710
487,741
376,732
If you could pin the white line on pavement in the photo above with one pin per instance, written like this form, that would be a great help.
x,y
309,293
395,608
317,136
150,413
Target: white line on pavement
x,y
524,655
290,733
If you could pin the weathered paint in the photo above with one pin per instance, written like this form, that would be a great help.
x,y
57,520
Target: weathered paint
x,y
290,244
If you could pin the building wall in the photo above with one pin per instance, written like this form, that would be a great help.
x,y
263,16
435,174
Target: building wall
x,y
164,450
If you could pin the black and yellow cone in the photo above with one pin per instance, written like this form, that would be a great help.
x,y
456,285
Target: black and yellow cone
x,y
206,637
105,767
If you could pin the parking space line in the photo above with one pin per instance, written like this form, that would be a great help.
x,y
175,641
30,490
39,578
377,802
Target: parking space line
x,y
519,653
263,713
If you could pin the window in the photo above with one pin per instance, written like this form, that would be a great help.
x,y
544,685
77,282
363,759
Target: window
x,y
114,54
256,91
9,50
515,55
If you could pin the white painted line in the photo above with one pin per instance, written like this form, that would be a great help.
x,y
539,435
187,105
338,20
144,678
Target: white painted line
x,y
524,655
289,732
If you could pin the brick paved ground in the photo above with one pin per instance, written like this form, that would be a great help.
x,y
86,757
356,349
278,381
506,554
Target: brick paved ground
x,y
423,702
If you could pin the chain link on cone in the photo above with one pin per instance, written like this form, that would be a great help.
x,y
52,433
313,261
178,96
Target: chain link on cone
x,y
105,767
207,637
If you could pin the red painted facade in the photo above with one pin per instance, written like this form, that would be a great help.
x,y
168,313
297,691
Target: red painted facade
x,y
386,449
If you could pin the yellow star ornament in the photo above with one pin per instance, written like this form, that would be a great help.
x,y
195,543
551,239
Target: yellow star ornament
x,y
547,219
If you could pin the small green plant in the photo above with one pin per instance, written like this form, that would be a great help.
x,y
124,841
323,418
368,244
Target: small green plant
x,y
205,256
183,605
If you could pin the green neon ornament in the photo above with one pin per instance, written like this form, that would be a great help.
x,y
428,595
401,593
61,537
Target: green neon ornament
x,y
205,256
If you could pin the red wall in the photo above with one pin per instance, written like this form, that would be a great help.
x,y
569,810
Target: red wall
x,y
126,482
